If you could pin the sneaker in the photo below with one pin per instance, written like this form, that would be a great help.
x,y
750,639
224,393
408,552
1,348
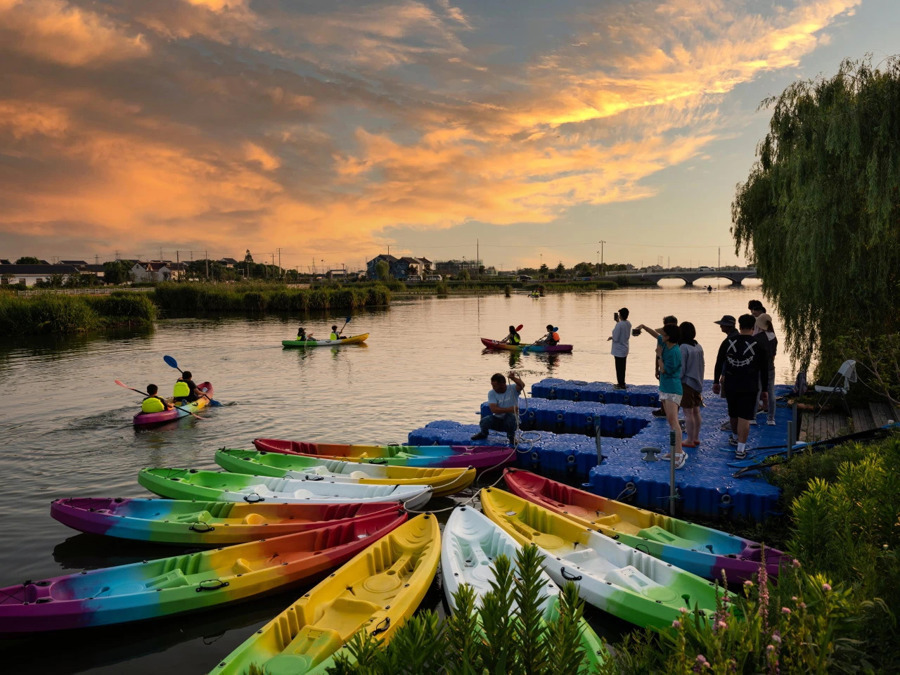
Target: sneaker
x,y
665,457
659,413
771,423
480,436
680,460
740,454
732,440
726,426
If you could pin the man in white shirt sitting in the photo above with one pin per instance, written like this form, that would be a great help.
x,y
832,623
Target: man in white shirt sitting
x,y
503,401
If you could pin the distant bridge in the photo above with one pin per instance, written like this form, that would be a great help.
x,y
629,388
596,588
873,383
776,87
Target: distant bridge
x,y
736,277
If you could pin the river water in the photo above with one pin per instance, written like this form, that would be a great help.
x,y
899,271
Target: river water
x,y
65,429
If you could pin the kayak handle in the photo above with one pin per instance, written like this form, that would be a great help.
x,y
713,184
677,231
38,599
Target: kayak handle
x,y
570,577
200,526
254,498
211,585
382,626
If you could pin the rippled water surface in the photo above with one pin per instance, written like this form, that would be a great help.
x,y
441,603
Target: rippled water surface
x,y
66,427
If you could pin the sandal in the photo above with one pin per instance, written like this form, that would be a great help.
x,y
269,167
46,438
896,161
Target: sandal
x,y
690,445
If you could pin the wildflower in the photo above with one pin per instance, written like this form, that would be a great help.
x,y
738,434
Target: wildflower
x,y
794,598
748,584
701,663
676,624
826,587
785,610
770,648
795,563
776,637
802,605
721,625
683,610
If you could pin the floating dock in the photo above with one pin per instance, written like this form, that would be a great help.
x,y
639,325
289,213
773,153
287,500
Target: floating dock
x,y
567,425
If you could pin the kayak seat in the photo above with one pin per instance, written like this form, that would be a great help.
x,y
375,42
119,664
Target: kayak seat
x,y
630,577
253,519
171,579
196,517
241,566
611,519
656,533
359,474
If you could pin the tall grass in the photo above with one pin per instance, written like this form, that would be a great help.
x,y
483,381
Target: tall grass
x,y
260,298
66,314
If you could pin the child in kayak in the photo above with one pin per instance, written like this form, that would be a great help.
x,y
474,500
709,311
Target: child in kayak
x,y
154,403
185,389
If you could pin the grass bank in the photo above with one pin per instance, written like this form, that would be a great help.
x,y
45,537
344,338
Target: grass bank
x,y
181,299
48,313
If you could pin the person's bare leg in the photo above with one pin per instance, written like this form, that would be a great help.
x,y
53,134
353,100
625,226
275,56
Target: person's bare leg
x,y
671,409
743,430
696,421
689,424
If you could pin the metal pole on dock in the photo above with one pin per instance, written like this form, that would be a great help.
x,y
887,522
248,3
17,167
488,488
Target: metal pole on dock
x,y
597,441
672,472
790,438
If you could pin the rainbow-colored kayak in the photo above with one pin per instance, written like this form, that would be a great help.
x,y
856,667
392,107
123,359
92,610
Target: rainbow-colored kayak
x,y
192,523
531,347
612,576
185,583
222,486
701,550
442,481
143,419
448,456
376,592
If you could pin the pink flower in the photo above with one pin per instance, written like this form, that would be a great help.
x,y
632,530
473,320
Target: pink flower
x,y
683,610
776,637
748,584
795,563
826,587
676,624
701,659
770,648
802,605
721,625
785,610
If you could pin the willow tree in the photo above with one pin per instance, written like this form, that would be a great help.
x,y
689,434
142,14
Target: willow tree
x,y
819,215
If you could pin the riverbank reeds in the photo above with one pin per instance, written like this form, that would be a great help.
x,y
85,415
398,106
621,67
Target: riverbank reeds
x,y
49,313
181,299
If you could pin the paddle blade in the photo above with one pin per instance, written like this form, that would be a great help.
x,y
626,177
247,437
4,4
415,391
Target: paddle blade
x,y
520,327
172,362
122,384
348,319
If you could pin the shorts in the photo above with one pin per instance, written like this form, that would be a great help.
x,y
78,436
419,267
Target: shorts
x,y
742,404
691,397
666,396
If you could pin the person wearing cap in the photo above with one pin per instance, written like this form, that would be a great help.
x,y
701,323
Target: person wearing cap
x,y
550,338
765,328
745,365
728,326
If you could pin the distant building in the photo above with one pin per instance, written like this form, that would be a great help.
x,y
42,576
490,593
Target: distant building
x,y
31,274
455,267
157,271
77,263
228,263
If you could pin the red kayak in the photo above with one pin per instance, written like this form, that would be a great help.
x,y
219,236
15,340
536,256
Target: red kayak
x,y
143,419
496,344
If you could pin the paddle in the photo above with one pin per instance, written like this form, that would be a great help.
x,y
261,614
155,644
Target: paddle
x,y
172,362
122,384
539,342
344,326
518,328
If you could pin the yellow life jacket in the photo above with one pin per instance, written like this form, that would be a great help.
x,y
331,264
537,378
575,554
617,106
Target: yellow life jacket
x,y
152,404
334,336
182,390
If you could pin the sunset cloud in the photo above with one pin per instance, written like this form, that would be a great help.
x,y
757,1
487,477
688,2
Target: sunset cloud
x,y
318,126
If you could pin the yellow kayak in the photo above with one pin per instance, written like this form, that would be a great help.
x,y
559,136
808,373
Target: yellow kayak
x,y
352,340
376,591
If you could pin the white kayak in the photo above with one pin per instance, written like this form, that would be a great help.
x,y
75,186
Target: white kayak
x,y
470,546
232,487
610,575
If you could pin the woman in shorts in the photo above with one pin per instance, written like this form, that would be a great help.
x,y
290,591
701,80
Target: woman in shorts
x,y
668,355
692,367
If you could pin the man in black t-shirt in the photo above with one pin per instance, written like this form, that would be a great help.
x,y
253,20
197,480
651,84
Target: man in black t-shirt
x,y
745,365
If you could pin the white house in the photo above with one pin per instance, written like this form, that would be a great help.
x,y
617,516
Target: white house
x,y
31,274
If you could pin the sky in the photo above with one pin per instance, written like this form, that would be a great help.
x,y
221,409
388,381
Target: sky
x,y
322,133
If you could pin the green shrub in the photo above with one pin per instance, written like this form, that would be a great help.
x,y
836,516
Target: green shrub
x,y
504,636
123,307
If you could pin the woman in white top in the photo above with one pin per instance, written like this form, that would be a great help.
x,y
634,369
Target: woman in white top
x,y
620,337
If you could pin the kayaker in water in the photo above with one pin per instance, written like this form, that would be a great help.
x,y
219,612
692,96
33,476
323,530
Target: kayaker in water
x,y
503,401
513,338
185,389
302,335
551,338
335,335
154,403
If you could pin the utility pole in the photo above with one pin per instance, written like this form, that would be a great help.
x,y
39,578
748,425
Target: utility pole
x,y
720,258
477,252
602,263
280,271
206,255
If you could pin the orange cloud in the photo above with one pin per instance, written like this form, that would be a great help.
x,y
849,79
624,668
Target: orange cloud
x,y
56,31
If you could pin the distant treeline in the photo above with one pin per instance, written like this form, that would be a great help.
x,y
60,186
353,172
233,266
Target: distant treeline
x,y
181,299
53,313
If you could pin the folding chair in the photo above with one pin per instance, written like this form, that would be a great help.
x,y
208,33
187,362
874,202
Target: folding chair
x,y
839,385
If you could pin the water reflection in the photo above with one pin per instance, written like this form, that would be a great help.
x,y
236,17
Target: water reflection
x,y
543,361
